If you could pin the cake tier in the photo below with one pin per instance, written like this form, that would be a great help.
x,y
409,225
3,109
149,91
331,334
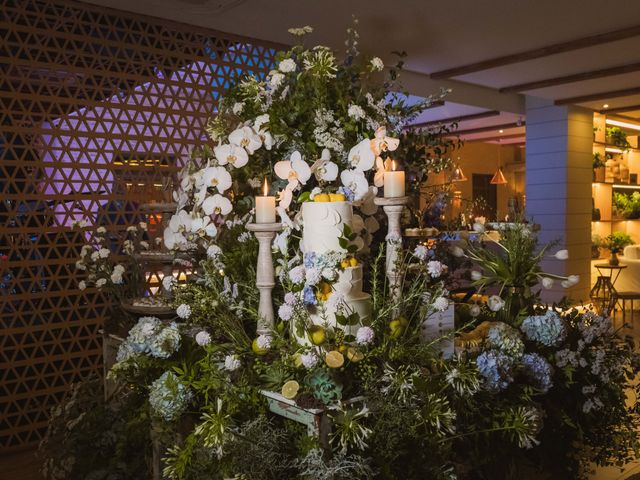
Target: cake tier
x,y
349,283
323,224
361,305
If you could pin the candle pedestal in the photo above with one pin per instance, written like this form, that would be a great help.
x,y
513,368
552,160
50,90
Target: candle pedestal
x,y
393,207
265,278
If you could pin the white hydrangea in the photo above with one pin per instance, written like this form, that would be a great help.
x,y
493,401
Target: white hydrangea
x,y
309,359
82,285
421,252
275,80
495,303
313,276
213,251
203,338
376,64
285,312
232,363
435,268
183,311
297,274
356,112
441,304
80,265
365,336
104,252
287,65
101,282
264,342
168,282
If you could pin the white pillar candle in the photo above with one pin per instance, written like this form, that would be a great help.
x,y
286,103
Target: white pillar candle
x,y
394,182
266,206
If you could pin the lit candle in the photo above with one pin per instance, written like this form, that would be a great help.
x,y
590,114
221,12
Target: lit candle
x,y
394,182
266,206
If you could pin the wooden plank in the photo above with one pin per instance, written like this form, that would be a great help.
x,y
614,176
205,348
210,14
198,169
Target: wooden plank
x,y
576,77
541,52
461,118
598,96
490,128
628,108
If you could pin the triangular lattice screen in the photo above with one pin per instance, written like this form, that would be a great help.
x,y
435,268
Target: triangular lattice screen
x,y
96,107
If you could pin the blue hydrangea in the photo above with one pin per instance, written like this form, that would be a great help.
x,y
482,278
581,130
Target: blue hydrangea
x,y
310,259
168,397
506,339
496,370
347,192
548,329
538,370
309,296
150,337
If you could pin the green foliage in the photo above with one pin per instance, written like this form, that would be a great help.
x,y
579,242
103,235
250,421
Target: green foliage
x,y
91,439
617,241
618,137
597,160
627,206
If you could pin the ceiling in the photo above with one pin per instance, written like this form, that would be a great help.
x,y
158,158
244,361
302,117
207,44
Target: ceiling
x,y
444,35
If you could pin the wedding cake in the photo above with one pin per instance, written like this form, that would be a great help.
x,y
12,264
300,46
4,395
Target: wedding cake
x,y
322,226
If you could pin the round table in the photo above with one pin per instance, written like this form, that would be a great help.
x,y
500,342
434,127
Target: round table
x,y
603,294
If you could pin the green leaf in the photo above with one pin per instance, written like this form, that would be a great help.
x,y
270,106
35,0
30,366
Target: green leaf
x,y
346,230
343,242
342,320
304,197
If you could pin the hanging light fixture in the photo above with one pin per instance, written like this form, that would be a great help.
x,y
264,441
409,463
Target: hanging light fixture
x,y
458,174
498,177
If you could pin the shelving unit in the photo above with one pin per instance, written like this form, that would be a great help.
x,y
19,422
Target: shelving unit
x,y
603,192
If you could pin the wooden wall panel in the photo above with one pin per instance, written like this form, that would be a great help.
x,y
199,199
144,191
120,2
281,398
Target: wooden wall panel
x,y
86,94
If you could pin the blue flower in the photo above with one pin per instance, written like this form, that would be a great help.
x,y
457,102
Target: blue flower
x,y
309,259
168,397
548,329
496,369
346,191
309,296
538,370
506,339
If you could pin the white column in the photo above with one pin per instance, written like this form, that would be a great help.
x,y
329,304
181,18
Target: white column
x,y
558,187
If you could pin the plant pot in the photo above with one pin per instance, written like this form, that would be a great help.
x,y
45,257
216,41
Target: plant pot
x,y
613,260
599,174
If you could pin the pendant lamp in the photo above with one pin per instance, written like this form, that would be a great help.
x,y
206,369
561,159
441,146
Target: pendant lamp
x,y
498,177
458,174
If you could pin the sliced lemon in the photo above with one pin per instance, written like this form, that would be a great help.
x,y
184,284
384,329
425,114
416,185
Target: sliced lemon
x,y
334,359
354,355
290,389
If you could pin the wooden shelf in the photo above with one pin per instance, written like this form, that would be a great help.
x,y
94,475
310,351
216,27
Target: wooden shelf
x,y
610,145
624,186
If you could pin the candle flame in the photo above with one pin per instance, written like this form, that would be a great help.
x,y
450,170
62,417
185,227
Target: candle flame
x,y
393,165
265,188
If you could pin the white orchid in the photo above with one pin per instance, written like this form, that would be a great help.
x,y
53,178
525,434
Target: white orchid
x,y
217,204
266,137
202,226
231,154
381,167
217,177
367,203
371,225
355,181
295,170
381,143
324,169
180,222
245,137
362,157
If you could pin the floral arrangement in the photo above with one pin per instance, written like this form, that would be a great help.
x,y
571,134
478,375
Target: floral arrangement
x,y
119,276
616,242
525,391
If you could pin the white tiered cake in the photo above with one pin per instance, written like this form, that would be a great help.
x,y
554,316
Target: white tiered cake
x,y
322,226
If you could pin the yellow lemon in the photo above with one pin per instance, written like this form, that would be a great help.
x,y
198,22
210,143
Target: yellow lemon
x,y
290,389
353,262
343,348
297,360
256,349
354,355
398,326
321,197
317,335
334,359
325,288
345,263
337,197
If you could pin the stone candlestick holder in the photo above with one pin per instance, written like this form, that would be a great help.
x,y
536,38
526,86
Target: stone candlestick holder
x,y
393,207
265,278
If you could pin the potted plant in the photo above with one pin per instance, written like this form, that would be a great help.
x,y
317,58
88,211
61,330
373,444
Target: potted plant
x,y
598,168
615,243
615,136
596,243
